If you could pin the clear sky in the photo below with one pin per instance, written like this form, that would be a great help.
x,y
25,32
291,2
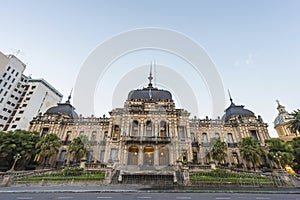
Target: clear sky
x,y
255,45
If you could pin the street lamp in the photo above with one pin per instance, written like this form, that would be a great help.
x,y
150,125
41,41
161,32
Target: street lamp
x,y
16,158
278,158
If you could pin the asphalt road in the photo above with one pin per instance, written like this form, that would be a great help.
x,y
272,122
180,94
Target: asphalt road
x,y
143,196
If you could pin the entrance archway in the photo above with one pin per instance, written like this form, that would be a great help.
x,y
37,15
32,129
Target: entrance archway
x,y
148,155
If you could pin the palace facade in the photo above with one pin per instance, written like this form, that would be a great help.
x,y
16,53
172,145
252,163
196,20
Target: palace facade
x,y
149,135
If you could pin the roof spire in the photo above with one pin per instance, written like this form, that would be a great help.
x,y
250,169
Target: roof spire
x,y
69,97
150,76
230,97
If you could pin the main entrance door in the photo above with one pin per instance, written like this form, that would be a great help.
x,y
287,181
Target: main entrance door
x,y
148,155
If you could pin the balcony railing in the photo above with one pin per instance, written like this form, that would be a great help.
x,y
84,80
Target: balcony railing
x,y
147,139
65,142
232,145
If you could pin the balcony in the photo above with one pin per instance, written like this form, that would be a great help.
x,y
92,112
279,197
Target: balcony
x,y
145,139
232,145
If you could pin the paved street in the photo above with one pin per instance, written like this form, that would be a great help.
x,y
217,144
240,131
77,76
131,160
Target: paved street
x,y
139,196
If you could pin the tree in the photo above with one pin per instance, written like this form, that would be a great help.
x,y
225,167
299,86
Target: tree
x,y
280,152
251,150
218,151
79,147
296,152
17,142
294,123
48,147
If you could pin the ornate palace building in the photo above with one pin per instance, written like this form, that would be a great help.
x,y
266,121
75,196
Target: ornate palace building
x,y
150,136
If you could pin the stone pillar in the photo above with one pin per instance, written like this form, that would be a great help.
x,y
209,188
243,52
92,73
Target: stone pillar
x,y
156,156
140,156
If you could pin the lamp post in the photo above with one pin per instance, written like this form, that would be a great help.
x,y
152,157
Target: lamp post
x,y
16,158
278,158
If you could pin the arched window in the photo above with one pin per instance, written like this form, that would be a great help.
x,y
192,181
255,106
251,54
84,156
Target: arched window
x,y
164,156
116,132
133,152
134,128
163,129
148,155
148,129
217,135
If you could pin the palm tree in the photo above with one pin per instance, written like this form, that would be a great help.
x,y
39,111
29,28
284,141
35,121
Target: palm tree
x,y
218,152
280,152
251,150
48,146
294,124
79,147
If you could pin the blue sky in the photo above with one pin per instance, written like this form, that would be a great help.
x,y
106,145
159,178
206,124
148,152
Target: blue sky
x,y
255,45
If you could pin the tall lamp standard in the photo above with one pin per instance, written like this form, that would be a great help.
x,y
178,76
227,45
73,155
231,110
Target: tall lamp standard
x,y
16,158
278,158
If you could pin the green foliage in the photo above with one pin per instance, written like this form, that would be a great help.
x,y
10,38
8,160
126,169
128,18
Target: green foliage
x,y
60,176
218,152
220,175
280,152
48,146
73,171
79,147
18,142
251,150
294,124
295,143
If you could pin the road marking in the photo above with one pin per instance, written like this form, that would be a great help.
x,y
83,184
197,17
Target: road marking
x,y
183,198
261,198
144,197
104,197
64,197
24,198
223,198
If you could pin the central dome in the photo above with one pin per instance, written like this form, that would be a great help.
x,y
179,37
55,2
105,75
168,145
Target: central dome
x,y
150,93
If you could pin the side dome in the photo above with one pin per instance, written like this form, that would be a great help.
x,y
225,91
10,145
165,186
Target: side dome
x,y
63,108
238,110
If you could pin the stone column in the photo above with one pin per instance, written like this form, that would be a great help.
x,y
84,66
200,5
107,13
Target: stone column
x,y
140,156
156,156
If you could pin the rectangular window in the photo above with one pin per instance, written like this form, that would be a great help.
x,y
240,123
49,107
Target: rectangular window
x,y
102,156
113,154
204,139
181,132
230,138
254,134
33,87
21,111
18,119
14,126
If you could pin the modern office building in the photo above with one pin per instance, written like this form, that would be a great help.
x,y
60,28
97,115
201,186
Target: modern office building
x,y
21,97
